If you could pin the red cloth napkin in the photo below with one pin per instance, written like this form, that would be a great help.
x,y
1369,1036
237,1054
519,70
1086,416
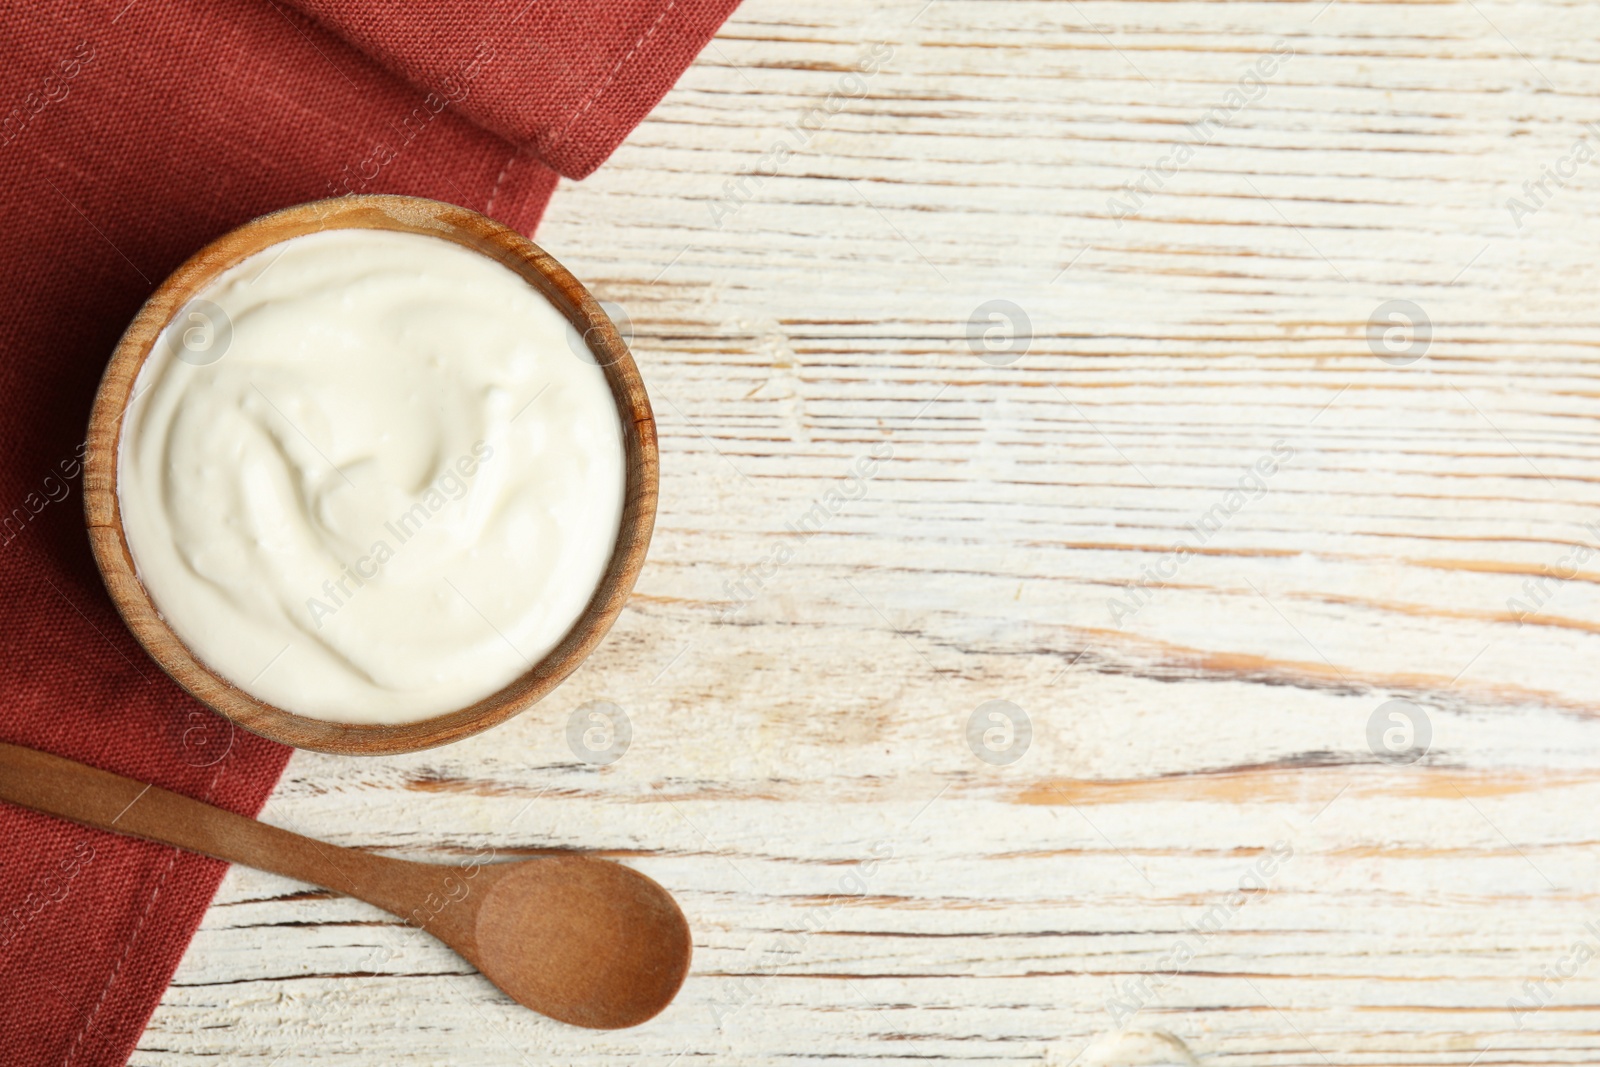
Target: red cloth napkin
x,y
131,133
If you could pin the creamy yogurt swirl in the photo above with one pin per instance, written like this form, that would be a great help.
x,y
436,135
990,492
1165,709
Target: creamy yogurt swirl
x,y
366,476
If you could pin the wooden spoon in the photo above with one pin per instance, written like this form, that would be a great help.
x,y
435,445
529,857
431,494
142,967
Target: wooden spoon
x,y
584,941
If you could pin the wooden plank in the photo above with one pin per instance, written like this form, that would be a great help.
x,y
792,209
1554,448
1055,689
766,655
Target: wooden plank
x,y
865,888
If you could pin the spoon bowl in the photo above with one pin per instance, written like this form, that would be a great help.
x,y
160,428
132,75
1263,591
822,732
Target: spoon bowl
x,y
584,941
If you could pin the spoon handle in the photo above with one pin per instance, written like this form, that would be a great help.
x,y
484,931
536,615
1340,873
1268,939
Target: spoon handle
x,y
107,801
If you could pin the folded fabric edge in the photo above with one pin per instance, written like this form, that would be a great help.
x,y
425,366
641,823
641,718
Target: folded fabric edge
x,y
598,111
664,51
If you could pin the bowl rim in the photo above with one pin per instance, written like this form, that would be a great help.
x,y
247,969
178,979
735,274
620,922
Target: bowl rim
x,y
406,214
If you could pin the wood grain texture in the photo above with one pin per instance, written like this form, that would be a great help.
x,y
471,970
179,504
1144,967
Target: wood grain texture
x,y
862,887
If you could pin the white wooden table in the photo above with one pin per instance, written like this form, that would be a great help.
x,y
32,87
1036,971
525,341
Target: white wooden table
x,y
864,888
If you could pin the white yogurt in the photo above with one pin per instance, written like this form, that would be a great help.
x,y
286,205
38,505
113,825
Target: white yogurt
x,y
366,478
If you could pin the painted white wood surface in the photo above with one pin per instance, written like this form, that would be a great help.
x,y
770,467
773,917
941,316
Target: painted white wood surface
x,y
780,749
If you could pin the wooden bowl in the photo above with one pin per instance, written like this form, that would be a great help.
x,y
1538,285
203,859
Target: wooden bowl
x,y
406,215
